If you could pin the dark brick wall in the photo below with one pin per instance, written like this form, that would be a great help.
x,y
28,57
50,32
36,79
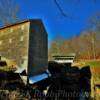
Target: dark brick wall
x,y
38,48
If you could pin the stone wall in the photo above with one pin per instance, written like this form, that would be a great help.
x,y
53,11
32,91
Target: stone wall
x,y
14,43
26,45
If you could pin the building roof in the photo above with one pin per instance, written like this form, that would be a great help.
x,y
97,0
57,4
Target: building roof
x,y
19,22
64,56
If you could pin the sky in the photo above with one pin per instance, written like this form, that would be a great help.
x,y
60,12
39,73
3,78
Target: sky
x,y
55,23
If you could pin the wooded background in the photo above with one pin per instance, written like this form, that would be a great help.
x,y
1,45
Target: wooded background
x,y
86,45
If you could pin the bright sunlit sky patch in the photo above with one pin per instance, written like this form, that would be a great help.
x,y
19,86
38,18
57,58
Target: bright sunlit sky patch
x,y
56,24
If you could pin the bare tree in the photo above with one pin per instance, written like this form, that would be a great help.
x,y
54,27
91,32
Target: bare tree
x,y
60,8
8,11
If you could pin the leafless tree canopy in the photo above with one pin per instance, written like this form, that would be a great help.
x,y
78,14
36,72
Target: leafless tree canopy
x,y
8,11
86,45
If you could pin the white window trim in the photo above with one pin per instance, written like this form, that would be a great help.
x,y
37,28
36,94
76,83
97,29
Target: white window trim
x,y
22,38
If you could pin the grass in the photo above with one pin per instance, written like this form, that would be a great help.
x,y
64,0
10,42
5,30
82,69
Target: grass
x,y
6,68
94,66
93,63
95,70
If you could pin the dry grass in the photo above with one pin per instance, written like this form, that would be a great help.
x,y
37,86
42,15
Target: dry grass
x,y
95,70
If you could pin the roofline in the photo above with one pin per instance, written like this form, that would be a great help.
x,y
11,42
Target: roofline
x,y
63,56
19,22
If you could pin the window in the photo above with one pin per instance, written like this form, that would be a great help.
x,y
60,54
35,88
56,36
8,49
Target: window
x,y
22,27
2,33
10,40
21,38
11,30
0,42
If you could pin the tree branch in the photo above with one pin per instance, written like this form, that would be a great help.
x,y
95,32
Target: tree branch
x,y
62,11
60,8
